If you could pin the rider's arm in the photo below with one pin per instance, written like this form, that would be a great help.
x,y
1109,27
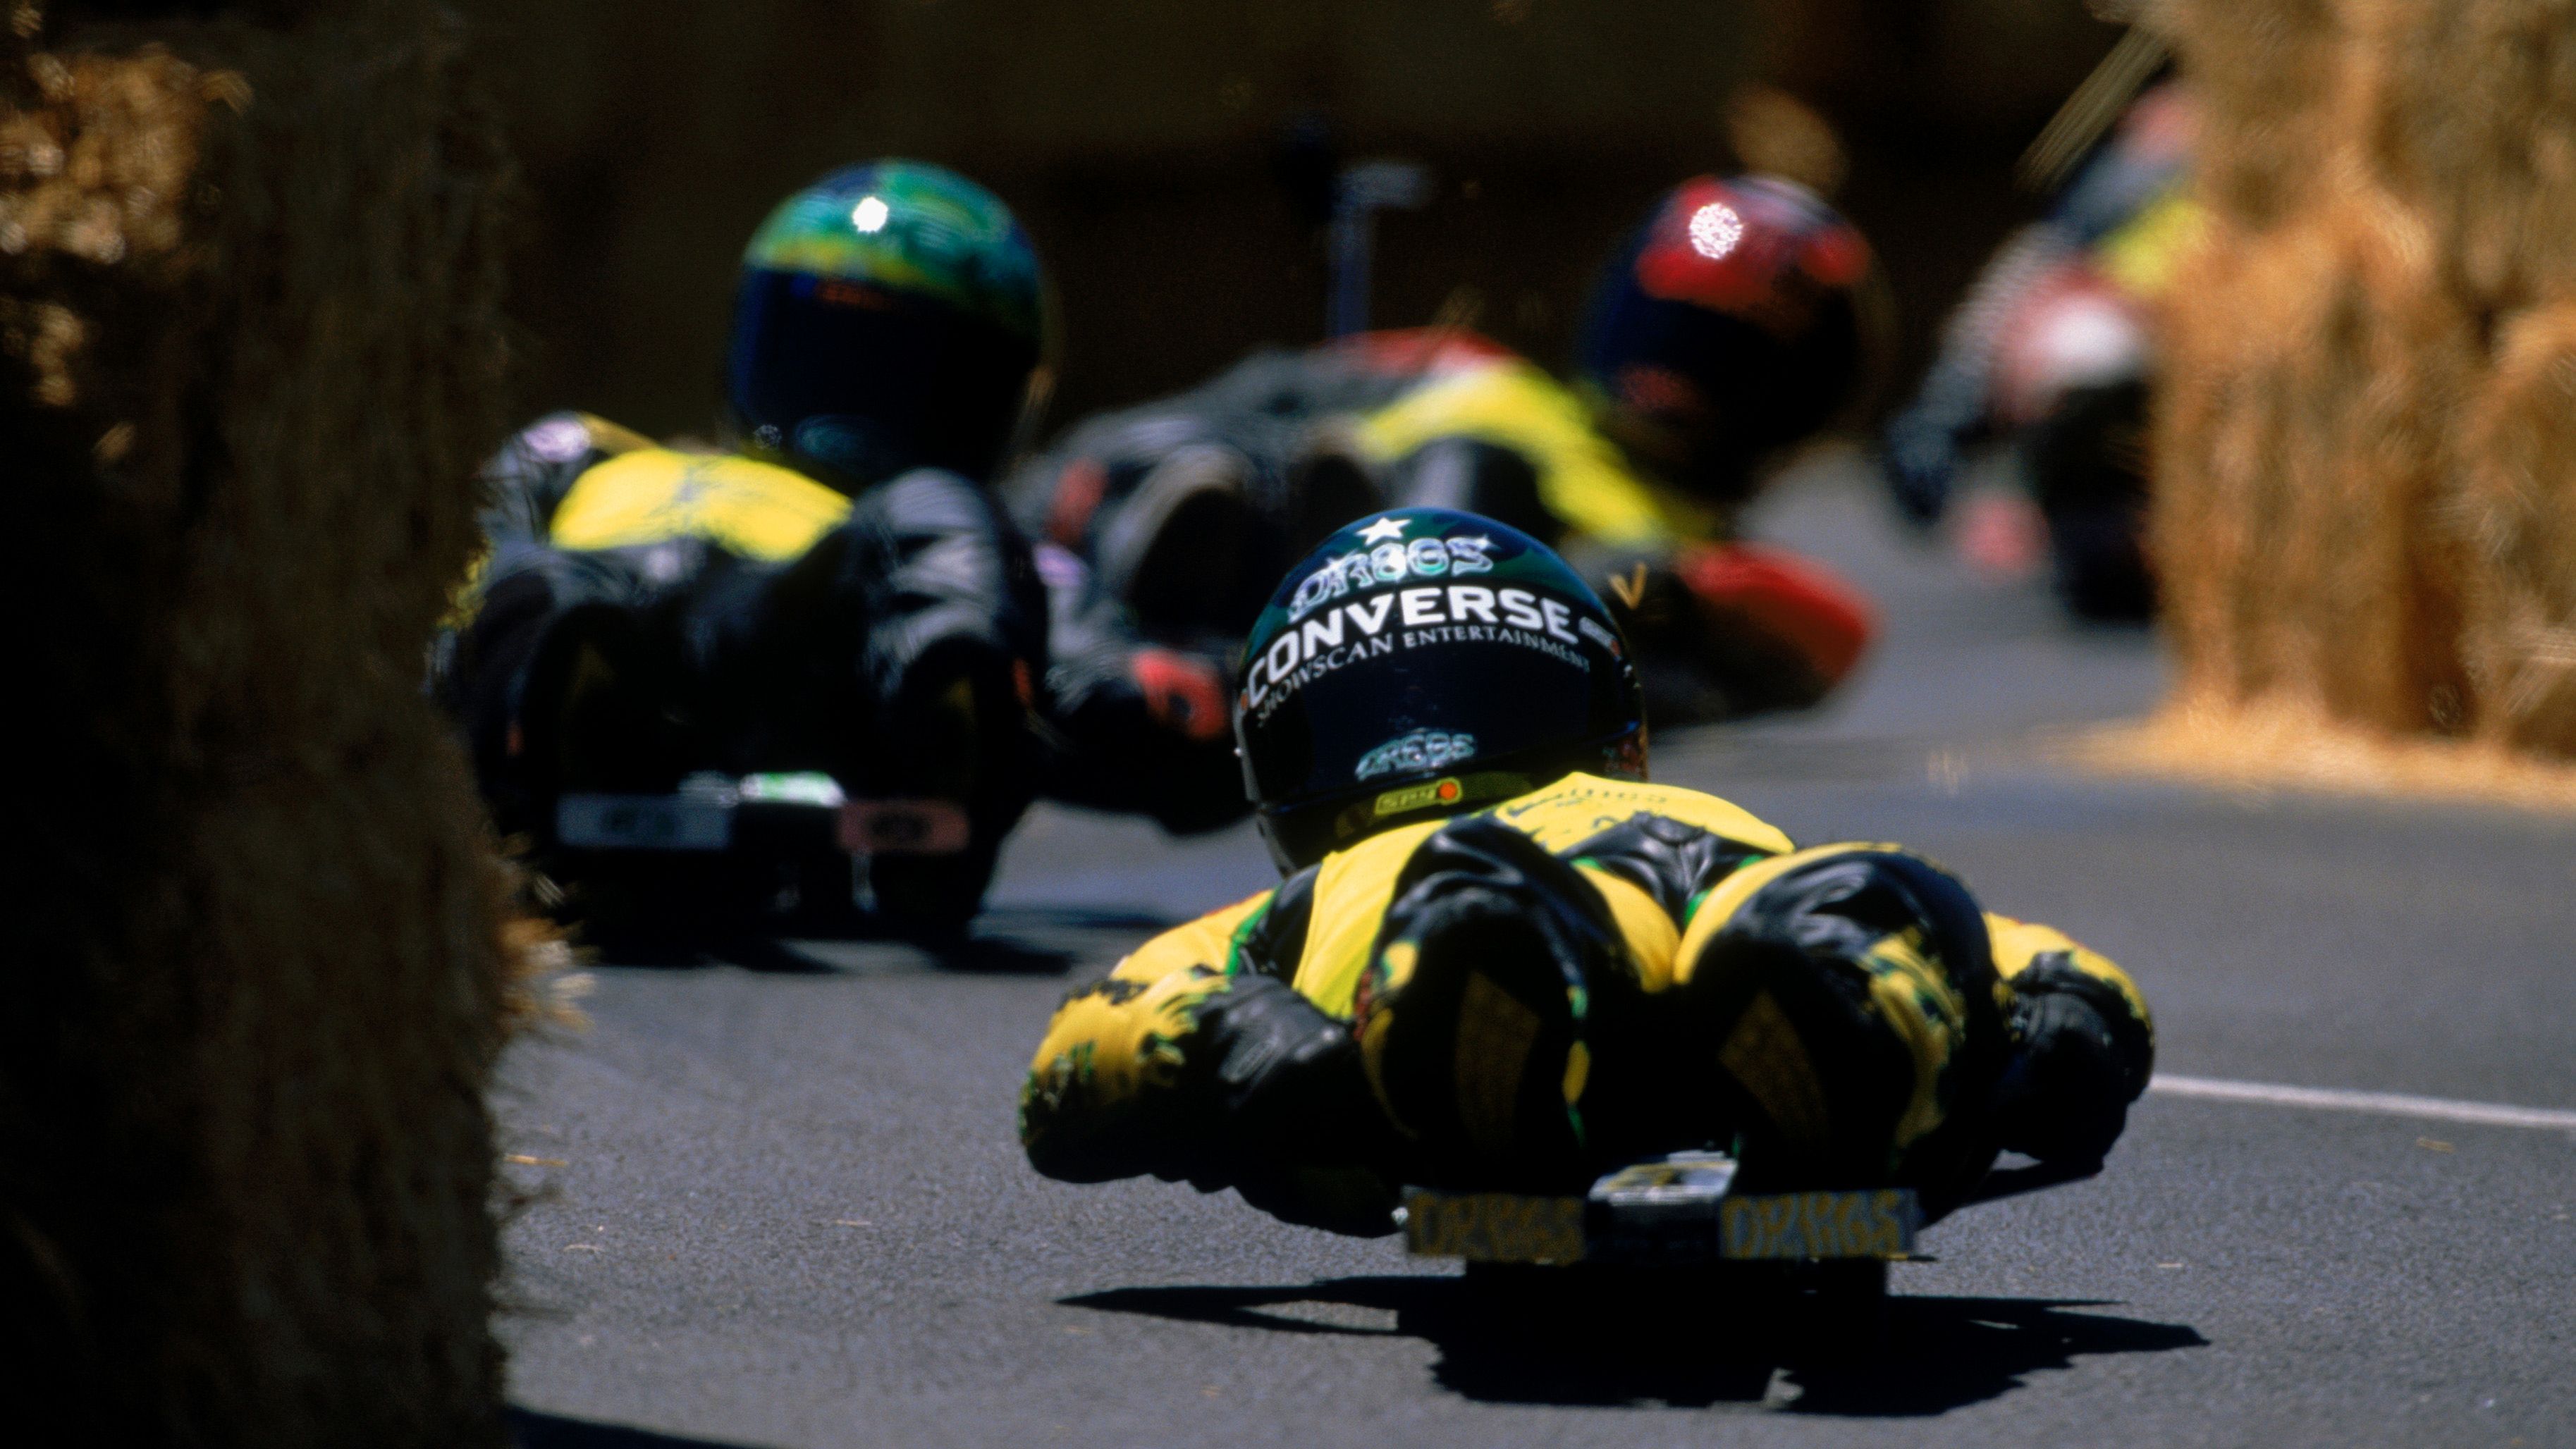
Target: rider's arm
x,y
1192,1062
1134,726
529,476
2084,1044
1768,629
1922,443
1105,1095
2034,959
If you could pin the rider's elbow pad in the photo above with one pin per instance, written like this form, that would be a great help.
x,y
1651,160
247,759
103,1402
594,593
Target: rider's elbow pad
x,y
1288,1077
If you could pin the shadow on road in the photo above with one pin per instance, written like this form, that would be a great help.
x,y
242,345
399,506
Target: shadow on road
x,y
1936,1354
1073,918
811,952
530,1429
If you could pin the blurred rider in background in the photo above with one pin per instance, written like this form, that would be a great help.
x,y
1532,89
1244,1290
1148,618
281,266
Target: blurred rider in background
x,y
1733,324
1498,959
836,591
2053,350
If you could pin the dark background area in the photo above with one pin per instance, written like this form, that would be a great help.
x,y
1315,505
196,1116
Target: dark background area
x,y
1137,140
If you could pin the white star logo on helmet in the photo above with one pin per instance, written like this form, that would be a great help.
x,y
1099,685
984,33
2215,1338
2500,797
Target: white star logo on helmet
x,y
1385,530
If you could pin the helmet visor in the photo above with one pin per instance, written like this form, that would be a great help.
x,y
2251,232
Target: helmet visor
x,y
869,384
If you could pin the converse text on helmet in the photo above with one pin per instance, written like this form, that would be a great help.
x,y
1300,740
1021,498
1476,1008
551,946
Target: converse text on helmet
x,y
1413,618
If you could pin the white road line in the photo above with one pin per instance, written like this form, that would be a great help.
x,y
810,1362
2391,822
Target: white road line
x,y
2390,1104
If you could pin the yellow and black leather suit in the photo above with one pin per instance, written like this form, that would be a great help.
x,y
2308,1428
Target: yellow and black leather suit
x,y
784,614
747,617
1841,1015
1445,418
1590,492
1723,627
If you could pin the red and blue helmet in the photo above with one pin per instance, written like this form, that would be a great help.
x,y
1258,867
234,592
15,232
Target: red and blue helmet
x,y
1730,324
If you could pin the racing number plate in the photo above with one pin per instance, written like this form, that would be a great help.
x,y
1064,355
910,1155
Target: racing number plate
x,y
643,822
1493,1227
1865,1224
905,827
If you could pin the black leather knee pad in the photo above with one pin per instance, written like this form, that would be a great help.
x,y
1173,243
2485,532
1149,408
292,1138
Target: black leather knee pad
x,y
1810,1074
1478,1018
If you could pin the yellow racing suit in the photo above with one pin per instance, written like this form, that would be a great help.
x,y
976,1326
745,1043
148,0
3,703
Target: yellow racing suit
x,y
1723,626
1595,972
753,618
1583,482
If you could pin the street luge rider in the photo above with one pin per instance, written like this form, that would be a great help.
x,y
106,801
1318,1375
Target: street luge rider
x,y
1500,959
836,592
1734,323
2054,348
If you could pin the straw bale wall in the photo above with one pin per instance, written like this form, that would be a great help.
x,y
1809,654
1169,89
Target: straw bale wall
x,y
2364,499
2518,506
260,966
2469,113
2271,78
2302,374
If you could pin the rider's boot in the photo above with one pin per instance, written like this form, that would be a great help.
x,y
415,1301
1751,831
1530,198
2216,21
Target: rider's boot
x,y
1475,476
558,688
944,782
1132,727
565,687
953,627
1328,480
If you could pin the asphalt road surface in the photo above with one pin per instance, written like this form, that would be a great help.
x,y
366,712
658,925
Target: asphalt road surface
x,y
778,1200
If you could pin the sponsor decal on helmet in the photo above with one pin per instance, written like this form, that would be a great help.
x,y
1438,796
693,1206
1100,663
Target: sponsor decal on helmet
x,y
1419,750
1412,618
1593,631
1390,560
1416,797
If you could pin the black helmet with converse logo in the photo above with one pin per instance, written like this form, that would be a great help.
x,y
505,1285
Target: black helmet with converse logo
x,y
1424,662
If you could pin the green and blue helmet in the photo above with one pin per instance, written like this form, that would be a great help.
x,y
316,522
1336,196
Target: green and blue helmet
x,y
892,315
1424,662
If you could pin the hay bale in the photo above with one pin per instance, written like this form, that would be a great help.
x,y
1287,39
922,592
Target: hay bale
x,y
2469,113
2272,85
2338,523
2211,443
248,351
2518,511
2312,372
